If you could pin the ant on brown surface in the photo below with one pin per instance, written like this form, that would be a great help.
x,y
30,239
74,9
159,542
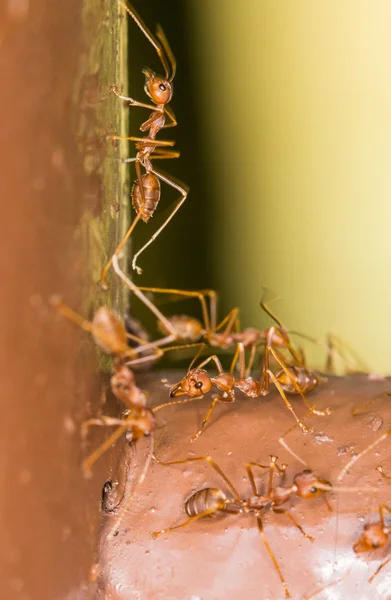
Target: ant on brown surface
x,y
290,379
137,421
213,502
146,189
375,535
110,335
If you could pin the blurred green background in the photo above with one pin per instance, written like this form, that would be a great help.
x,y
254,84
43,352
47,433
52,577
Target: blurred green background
x,y
284,114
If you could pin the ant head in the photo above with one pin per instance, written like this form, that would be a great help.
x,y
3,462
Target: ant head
x,y
109,331
371,538
309,485
143,423
160,90
195,383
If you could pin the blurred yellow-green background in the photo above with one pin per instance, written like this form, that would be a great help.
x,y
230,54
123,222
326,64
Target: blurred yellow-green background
x,y
285,135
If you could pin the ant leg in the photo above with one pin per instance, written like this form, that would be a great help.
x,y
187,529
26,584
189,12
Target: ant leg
x,y
272,466
271,554
161,50
239,355
381,470
283,511
93,457
296,386
350,358
132,101
186,294
216,360
142,141
120,245
288,404
102,421
379,569
364,407
355,458
183,190
211,462
135,290
171,115
251,359
205,513
70,314
231,320
265,307
209,414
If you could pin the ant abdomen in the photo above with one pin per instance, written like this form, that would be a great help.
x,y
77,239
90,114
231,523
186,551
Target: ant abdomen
x,y
151,189
108,331
305,380
187,328
211,499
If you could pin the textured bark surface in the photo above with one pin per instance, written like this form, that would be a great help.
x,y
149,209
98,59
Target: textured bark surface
x,y
57,63
225,557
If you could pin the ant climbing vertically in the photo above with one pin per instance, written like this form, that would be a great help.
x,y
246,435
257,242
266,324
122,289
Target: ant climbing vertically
x,y
146,189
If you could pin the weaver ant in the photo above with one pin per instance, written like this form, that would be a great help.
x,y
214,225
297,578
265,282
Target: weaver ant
x,y
213,502
375,535
291,379
109,333
146,189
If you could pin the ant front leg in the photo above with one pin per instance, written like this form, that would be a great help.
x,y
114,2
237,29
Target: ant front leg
x,y
283,511
273,558
273,466
211,462
183,190
287,403
208,415
107,444
364,407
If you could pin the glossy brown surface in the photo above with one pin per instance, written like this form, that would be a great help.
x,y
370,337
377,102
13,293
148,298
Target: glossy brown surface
x,y
224,557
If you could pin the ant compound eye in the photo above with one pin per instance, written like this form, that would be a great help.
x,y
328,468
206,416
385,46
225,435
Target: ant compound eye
x,y
375,545
313,490
198,385
162,87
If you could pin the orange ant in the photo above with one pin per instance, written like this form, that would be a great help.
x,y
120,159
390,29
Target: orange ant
x,y
188,329
110,335
291,379
375,535
146,189
213,502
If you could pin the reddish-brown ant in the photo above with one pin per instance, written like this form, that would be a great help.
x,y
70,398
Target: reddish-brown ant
x,y
109,334
146,189
291,379
211,502
375,535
